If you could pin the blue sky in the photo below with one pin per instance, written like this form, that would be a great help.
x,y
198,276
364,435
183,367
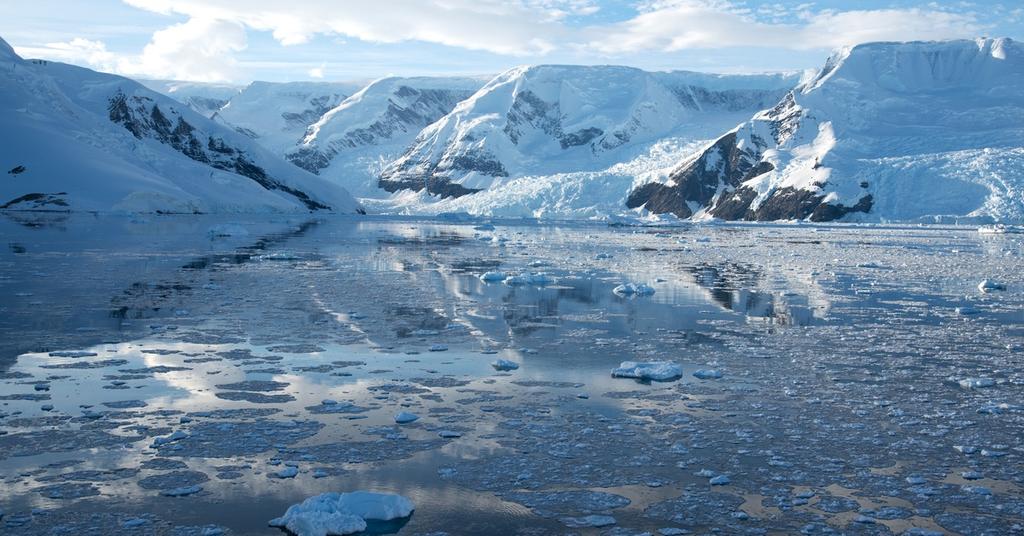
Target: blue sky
x,y
239,41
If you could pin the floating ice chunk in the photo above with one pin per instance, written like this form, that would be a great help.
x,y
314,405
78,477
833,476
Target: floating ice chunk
x,y
976,383
134,522
720,480
918,531
672,531
993,229
977,490
177,435
916,480
504,364
449,434
649,370
227,229
287,472
181,492
493,277
484,227
438,348
708,374
329,402
603,256
539,278
864,520
588,521
634,289
72,353
966,310
971,475
405,417
988,285
338,514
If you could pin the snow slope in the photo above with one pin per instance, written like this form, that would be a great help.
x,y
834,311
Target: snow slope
x,y
75,139
202,97
918,131
351,143
278,114
548,120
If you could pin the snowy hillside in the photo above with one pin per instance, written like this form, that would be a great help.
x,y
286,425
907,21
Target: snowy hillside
x,y
205,98
351,143
886,131
75,139
547,120
277,115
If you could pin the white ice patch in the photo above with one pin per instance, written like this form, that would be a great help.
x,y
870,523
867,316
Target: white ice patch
x,y
342,513
650,370
634,289
504,364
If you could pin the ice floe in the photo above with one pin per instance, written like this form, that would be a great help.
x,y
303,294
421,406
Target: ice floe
x,y
648,370
338,514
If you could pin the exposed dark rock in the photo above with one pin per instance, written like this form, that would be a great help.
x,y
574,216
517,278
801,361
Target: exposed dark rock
x,y
144,118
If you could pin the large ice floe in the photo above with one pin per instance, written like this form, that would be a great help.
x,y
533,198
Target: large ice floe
x,y
659,371
337,514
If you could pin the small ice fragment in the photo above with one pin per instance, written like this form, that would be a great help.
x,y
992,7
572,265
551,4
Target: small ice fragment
x,y
966,310
588,521
226,230
672,531
649,370
971,475
916,480
134,522
449,434
73,354
405,417
977,490
634,289
181,492
976,383
504,364
177,435
329,402
287,472
708,374
864,520
720,480
987,285
439,348
342,513
493,277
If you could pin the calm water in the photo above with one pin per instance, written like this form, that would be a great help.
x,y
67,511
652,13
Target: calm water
x,y
840,405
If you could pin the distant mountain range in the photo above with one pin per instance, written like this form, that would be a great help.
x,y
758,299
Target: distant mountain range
x,y
75,139
883,132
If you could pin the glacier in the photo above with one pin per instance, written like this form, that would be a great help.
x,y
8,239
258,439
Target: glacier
x,y
79,140
922,131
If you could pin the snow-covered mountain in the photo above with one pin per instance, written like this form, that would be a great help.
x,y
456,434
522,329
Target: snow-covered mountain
x,y
75,139
549,119
351,143
884,132
205,98
278,114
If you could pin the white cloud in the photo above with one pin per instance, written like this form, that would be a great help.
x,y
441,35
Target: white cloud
x,y
198,49
317,72
501,26
690,24
77,51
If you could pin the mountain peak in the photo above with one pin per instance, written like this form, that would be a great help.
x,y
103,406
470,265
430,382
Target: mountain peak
x,y
923,65
7,52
